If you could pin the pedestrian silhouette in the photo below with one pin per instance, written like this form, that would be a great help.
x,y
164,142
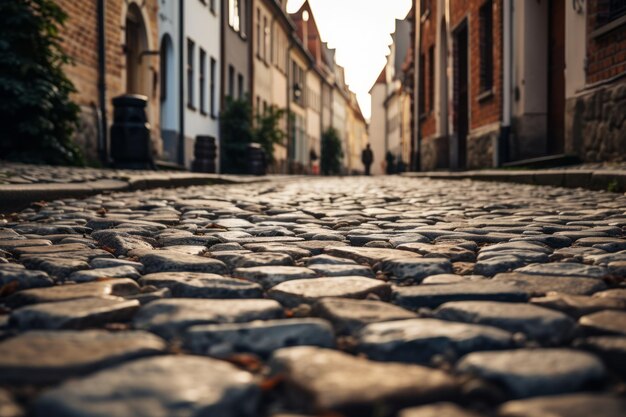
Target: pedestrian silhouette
x,y
367,157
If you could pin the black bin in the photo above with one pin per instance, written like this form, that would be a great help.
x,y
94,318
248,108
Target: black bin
x,y
257,163
204,153
131,146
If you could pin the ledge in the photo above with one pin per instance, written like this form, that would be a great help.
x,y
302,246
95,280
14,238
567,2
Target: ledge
x,y
15,197
606,180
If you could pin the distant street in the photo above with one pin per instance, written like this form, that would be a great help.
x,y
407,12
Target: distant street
x,y
359,295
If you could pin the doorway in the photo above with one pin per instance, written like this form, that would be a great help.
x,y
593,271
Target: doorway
x,y
556,76
135,44
461,97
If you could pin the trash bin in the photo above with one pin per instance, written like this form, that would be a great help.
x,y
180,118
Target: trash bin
x,y
131,146
257,163
204,153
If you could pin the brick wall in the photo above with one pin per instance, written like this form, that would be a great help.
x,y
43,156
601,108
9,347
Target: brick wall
x,y
606,54
428,39
488,109
80,40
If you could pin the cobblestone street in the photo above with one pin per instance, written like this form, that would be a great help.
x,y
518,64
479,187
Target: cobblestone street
x,y
379,296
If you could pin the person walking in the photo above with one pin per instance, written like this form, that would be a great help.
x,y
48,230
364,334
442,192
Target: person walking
x,y
367,157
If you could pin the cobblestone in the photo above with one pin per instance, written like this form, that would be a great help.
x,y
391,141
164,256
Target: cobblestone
x,y
326,295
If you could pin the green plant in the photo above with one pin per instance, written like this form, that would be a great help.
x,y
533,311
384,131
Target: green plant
x,y
236,133
36,114
612,186
331,152
267,131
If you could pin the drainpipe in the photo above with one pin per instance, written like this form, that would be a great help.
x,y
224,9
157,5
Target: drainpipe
x,y
289,121
102,129
416,141
502,151
181,83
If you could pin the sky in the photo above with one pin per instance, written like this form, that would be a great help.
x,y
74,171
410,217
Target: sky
x,y
360,30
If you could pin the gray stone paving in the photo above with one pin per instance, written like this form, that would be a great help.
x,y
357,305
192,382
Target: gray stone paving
x,y
346,297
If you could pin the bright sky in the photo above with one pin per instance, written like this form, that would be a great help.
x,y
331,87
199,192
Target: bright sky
x,y
360,30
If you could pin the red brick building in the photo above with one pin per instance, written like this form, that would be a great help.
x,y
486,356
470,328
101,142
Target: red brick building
x,y
595,111
500,81
130,63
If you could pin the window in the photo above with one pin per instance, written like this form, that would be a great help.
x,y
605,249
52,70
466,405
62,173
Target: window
x,y
258,32
313,100
234,15
422,81
486,46
202,81
266,38
609,10
298,83
191,50
431,78
258,105
163,70
212,88
240,85
231,81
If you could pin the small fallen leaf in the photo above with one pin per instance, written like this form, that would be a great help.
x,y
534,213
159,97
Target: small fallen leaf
x,y
108,249
272,382
249,362
9,288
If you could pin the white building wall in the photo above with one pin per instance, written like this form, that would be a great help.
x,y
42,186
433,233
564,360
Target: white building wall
x,y
202,26
377,128
394,123
168,32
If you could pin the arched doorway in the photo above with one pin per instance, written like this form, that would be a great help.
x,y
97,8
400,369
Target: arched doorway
x,y
136,44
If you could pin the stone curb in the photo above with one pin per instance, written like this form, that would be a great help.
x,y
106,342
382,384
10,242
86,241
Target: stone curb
x,y
18,196
607,180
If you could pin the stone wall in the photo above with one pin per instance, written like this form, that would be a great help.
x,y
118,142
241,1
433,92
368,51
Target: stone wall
x,y
595,125
480,148
435,153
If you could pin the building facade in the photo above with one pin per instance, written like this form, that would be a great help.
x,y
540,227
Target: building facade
x,y
391,133
595,87
124,60
235,46
189,57
502,82
190,53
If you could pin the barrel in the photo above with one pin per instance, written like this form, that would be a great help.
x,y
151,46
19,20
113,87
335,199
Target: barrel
x,y
204,153
257,162
131,146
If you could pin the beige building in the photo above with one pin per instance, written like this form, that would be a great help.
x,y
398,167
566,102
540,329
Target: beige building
x,y
298,144
391,108
269,55
357,135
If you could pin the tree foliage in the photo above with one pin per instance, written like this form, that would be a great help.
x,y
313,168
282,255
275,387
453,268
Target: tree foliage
x,y
267,131
239,128
236,134
37,117
331,152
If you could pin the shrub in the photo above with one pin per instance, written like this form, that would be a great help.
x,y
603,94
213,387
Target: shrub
x,y
331,152
267,131
37,118
236,135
